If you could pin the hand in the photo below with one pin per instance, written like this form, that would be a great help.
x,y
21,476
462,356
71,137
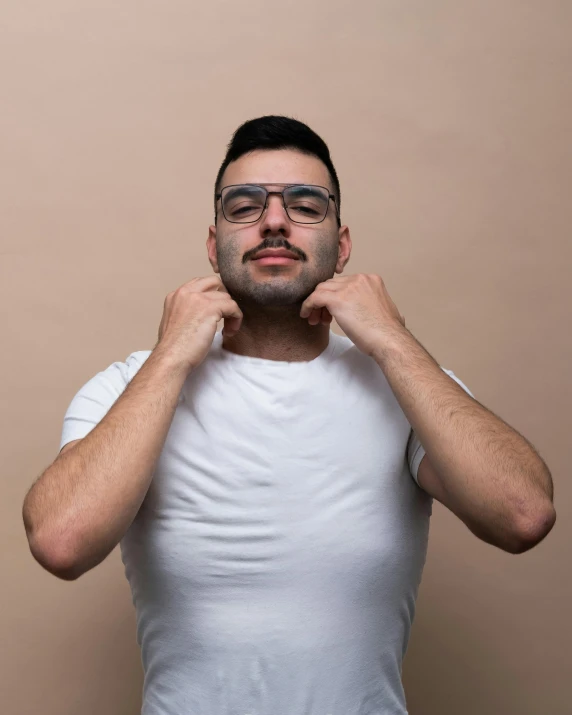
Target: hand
x,y
190,318
361,306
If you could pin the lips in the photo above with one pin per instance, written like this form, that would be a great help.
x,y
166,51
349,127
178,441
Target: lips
x,y
275,253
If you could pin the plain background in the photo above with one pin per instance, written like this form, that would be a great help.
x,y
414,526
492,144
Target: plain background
x,y
450,126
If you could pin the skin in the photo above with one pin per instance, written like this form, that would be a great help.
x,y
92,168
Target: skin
x,y
270,297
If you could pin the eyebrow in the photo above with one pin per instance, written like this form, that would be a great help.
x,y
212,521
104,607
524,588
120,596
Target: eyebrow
x,y
306,189
243,190
303,189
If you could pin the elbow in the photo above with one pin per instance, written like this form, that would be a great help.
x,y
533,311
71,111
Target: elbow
x,y
54,557
51,550
534,530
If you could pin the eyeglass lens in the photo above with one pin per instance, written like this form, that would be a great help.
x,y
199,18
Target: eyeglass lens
x,y
304,204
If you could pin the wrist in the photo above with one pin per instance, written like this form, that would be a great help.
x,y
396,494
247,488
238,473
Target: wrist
x,y
171,361
393,341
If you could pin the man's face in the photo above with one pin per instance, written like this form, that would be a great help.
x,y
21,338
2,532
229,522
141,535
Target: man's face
x,y
322,248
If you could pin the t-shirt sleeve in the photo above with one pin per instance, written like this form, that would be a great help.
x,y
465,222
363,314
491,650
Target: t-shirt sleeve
x,y
94,399
415,451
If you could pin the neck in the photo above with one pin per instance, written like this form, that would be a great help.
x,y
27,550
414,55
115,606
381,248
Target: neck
x,y
278,335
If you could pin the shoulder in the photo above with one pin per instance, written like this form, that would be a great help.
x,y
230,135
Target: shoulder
x,y
116,375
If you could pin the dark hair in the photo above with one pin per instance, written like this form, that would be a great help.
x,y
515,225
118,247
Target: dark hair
x,y
278,132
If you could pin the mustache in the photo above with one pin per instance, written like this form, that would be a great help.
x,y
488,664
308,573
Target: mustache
x,y
279,243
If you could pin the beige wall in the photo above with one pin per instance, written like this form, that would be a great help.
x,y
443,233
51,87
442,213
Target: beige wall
x,y
449,124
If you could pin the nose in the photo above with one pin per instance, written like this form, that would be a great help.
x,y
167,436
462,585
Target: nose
x,y
275,219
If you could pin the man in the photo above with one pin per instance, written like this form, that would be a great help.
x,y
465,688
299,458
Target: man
x,y
271,485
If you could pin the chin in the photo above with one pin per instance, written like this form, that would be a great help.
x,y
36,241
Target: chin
x,y
271,296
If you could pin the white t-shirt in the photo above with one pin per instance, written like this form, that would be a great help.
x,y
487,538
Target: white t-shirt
x,y
275,561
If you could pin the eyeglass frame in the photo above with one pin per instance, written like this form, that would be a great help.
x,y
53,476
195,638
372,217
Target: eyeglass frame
x,y
268,193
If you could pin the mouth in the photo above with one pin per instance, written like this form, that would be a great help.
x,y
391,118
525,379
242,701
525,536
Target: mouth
x,y
274,260
275,257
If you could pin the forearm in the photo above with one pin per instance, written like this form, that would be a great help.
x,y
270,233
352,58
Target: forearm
x,y
82,505
492,473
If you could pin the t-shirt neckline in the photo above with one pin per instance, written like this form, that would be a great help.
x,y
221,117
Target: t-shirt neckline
x,y
272,364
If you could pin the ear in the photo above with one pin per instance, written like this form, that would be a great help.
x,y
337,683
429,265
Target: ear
x,y
211,248
345,248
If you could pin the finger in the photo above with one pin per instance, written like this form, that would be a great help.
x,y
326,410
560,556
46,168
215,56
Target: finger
x,y
202,284
308,306
326,316
222,288
314,302
232,319
315,315
231,326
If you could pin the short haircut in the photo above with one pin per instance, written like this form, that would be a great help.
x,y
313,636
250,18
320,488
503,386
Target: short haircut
x,y
278,132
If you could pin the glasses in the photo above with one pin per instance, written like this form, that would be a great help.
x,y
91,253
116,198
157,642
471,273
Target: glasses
x,y
303,203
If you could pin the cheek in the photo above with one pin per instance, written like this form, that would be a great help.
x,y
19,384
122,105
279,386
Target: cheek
x,y
326,249
229,254
232,246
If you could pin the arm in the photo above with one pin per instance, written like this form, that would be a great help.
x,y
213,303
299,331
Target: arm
x,y
81,506
480,468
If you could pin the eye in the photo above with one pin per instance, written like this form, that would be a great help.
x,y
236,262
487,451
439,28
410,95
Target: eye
x,y
306,209
242,210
